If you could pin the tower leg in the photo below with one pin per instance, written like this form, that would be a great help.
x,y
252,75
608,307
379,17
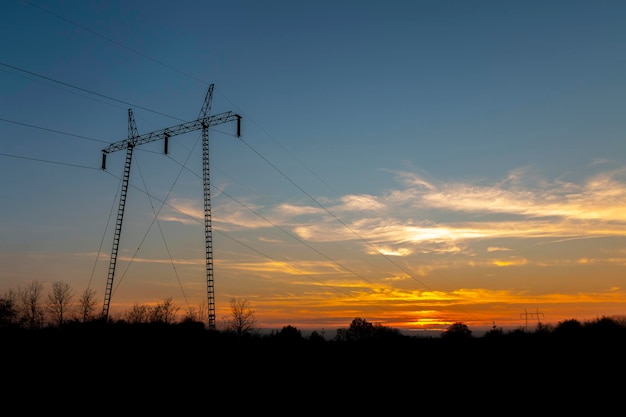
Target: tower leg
x,y
208,236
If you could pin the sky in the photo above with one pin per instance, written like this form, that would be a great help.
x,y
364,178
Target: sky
x,y
412,163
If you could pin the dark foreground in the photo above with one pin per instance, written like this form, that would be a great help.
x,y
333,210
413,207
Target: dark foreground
x,y
176,369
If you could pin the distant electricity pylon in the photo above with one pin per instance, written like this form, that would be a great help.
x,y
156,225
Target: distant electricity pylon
x,y
525,314
204,121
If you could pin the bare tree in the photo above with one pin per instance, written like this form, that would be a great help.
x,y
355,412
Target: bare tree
x,y
196,314
31,312
8,309
242,316
164,312
87,305
138,314
59,302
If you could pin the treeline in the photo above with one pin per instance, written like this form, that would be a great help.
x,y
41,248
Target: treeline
x,y
30,308
149,347
156,364
58,314
359,331
570,353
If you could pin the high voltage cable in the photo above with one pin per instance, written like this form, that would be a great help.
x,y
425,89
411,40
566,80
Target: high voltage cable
x,y
54,131
222,233
335,217
155,219
89,91
232,238
151,58
190,76
249,146
265,159
121,45
258,153
48,161
78,93
285,231
254,150
164,202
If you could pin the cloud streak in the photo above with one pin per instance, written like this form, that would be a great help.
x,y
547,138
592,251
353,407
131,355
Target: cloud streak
x,y
507,209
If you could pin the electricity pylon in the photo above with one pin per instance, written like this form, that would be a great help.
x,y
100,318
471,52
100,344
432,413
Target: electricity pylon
x,y
526,314
204,122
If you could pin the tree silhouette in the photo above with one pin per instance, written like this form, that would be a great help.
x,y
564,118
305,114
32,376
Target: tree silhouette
x,y
604,327
360,329
164,313
31,312
87,305
8,309
195,315
59,300
457,331
568,328
138,314
316,337
242,315
289,334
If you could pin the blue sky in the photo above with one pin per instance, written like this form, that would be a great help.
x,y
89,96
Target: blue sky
x,y
413,163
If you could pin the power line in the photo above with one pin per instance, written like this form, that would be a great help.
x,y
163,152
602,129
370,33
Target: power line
x,y
53,131
87,91
260,155
113,41
59,87
47,161
282,229
257,152
265,255
333,215
121,45
197,79
254,150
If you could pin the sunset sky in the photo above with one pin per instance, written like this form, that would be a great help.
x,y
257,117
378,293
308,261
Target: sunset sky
x,y
412,163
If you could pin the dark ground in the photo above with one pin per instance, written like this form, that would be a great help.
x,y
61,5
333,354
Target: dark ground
x,y
175,370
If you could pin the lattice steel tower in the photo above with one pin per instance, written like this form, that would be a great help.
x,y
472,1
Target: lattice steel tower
x,y
204,122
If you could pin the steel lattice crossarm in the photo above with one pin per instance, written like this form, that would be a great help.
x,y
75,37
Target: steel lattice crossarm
x,y
168,132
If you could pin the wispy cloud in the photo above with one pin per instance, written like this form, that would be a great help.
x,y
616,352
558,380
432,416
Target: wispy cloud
x,y
555,209
600,197
443,215
497,249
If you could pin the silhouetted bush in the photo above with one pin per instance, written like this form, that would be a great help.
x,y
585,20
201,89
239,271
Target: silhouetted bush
x,y
288,334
